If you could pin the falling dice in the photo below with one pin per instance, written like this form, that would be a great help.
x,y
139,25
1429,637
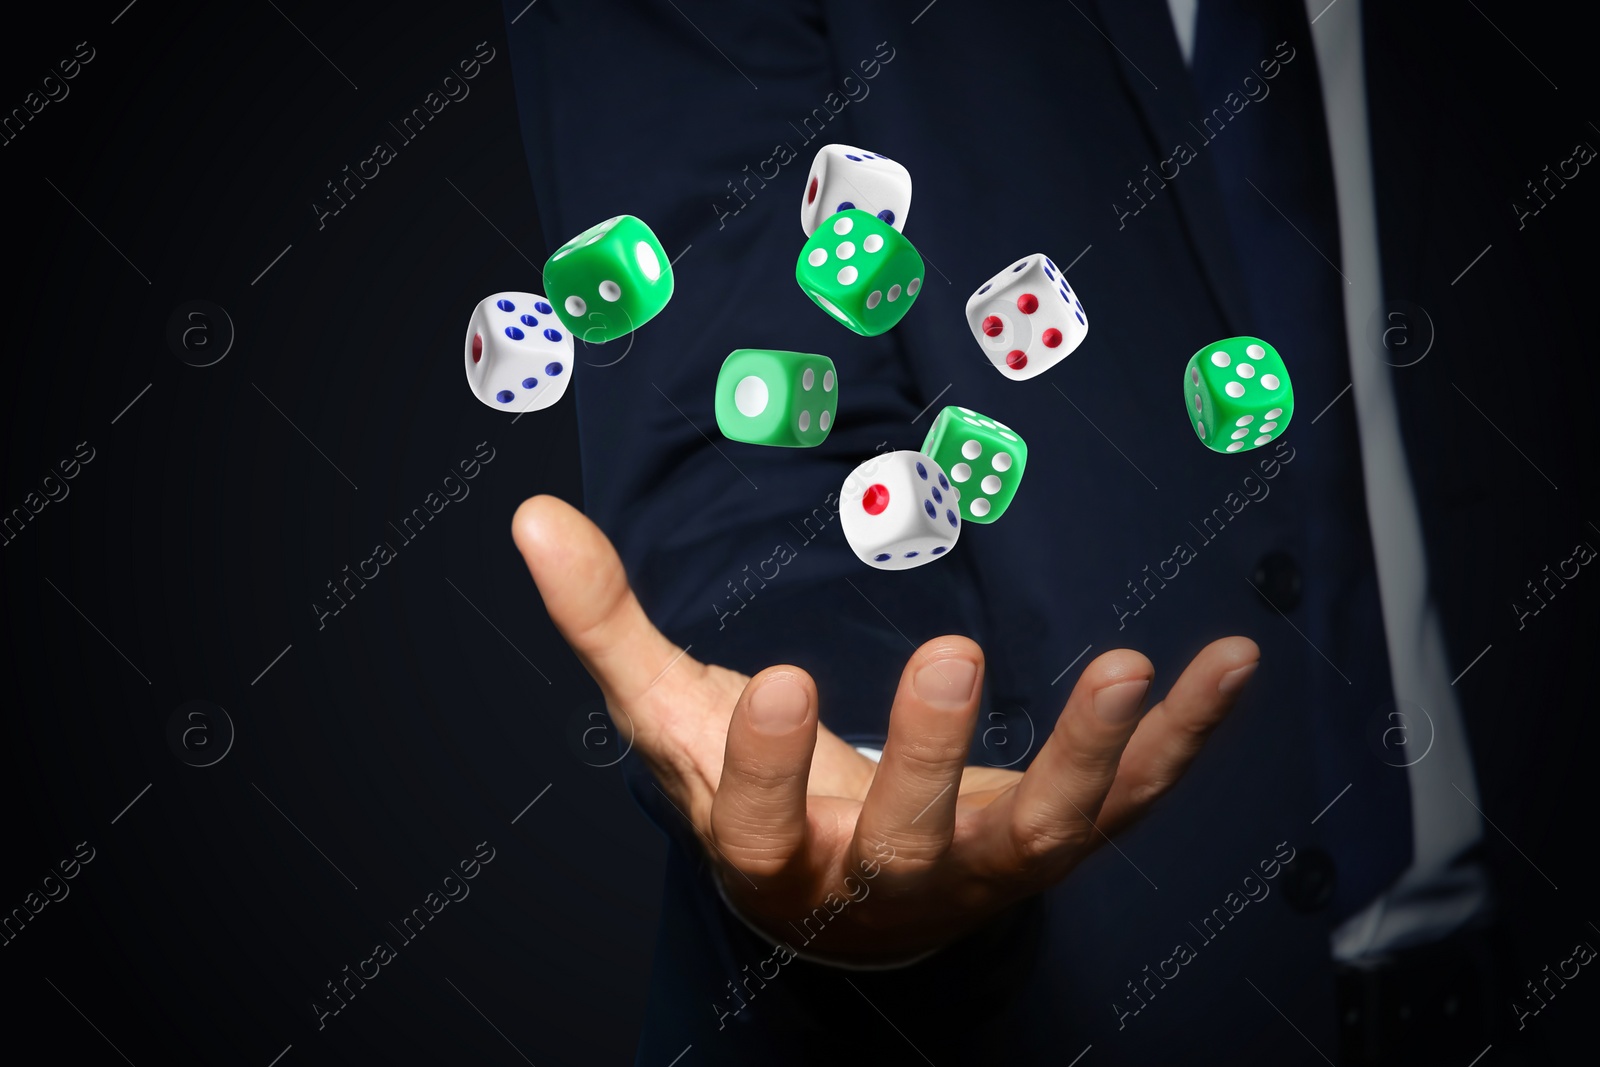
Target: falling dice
x,y
767,397
519,355
1237,393
860,270
609,280
842,178
898,511
1027,318
984,459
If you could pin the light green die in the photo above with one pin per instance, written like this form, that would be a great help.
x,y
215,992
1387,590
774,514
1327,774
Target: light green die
x,y
609,280
860,270
770,397
1237,394
984,459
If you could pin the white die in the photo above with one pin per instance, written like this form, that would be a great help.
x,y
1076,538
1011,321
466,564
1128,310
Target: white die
x,y
519,354
845,177
899,511
1027,318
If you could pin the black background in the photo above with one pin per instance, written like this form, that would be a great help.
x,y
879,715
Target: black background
x,y
407,729
379,748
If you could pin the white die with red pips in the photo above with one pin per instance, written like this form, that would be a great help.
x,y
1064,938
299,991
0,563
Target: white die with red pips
x,y
518,353
1027,318
899,511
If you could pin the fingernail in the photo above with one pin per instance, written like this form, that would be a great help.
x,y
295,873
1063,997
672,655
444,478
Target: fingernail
x,y
1120,704
1234,680
778,707
947,683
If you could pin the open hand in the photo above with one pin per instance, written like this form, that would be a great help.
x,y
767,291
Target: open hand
x,y
902,855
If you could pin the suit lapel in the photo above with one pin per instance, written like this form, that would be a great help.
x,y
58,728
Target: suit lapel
x,y
1142,33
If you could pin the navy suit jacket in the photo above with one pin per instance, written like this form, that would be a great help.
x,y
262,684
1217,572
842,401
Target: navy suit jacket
x,y
1022,126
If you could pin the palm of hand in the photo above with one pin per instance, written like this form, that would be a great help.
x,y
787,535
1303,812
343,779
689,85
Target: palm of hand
x,y
904,854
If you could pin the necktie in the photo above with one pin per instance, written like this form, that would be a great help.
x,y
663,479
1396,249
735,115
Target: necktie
x,y
1267,140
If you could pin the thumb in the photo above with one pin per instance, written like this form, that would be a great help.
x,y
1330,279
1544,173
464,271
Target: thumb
x,y
587,595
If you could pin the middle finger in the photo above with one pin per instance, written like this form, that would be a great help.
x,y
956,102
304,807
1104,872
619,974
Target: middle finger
x,y
911,803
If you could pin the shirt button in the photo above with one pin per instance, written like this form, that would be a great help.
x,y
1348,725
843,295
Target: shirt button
x,y
1277,578
1309,880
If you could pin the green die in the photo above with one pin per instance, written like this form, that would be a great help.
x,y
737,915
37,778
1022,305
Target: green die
x,y
984,459
609,280
1237,394
860,270
768,397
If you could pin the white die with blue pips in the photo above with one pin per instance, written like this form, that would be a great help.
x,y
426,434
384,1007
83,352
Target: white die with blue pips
x,y
518,353
843,177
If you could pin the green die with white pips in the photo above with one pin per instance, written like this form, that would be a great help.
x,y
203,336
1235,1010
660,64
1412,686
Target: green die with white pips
x,y
984,458
860,270
609,280
1237,394
770,397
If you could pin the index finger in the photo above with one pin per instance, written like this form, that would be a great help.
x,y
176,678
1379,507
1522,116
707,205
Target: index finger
x,y
1050,817
586,592
1172,733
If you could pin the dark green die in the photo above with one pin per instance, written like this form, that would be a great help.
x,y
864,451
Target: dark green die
x,y
860,270
984,459
609,280
1237,394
